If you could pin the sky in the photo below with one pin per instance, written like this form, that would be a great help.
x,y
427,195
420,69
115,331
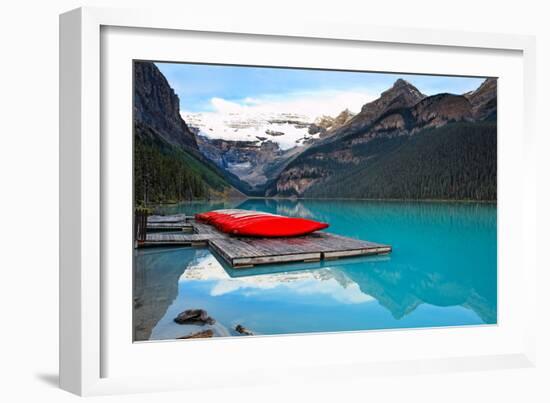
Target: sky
x,y
238,89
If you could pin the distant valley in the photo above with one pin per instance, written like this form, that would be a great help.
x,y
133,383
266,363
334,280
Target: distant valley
x,y
256,148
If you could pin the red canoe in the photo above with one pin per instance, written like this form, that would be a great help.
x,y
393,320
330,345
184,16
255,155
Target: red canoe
x,y
259,224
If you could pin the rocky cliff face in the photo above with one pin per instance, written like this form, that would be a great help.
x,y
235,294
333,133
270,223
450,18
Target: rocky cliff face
x,y
484,100
438,110
157,107
401,111
326,125
401,95
386,112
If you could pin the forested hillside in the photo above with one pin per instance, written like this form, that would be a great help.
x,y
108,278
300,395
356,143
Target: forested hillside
x,y
164,173
457,161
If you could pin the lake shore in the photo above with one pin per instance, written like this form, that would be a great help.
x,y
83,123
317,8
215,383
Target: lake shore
x,y
324,199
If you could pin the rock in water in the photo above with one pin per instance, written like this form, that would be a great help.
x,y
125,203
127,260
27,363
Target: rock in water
x,y
243,330
204,334
194,316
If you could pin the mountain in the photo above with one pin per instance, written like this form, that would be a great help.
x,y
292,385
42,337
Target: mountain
x,y
157,106
287,130
456,161
254,163
401,95
403,145
255,147
168,166
326,125
484,100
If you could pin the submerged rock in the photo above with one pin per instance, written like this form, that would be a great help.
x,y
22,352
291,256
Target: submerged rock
x,y
194,316
204,334
243,330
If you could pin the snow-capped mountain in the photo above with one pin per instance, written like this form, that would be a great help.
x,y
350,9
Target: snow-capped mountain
x,y
255,146
287,130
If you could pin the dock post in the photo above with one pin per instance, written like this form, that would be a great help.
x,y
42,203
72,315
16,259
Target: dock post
x,y
140,225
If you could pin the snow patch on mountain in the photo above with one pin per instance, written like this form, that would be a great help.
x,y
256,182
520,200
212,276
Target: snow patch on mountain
x,y
287,130
284,120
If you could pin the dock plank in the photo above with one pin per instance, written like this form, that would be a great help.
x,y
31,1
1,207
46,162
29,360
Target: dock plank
x,y
181,239
205,229
184,226
167,218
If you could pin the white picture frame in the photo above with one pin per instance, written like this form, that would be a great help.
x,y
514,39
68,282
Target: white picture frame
x,y
88,317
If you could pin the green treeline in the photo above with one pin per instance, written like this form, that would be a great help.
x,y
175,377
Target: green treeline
x,y
160,177
457,161
164,173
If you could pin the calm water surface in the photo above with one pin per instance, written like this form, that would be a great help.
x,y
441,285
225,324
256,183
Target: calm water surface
x,y
442,272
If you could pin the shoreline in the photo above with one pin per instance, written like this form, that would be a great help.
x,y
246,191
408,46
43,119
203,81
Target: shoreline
x,y
378,200
329,199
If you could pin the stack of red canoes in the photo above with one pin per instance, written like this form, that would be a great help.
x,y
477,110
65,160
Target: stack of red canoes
x,y
255,223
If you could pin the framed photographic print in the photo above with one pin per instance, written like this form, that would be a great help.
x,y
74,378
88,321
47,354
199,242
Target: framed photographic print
x,y
231,194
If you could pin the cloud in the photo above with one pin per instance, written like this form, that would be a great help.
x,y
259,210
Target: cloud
x,y
221,105
310,104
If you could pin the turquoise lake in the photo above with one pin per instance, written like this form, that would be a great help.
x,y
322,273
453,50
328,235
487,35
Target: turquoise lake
x,y
442,272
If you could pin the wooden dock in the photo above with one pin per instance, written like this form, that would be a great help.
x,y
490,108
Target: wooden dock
x,y
170,226
176,239
177,222
248,252
242,252
164,219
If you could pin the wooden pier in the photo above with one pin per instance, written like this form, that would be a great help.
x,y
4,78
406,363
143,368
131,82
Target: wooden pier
x,y
169,226
164,219
242,252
